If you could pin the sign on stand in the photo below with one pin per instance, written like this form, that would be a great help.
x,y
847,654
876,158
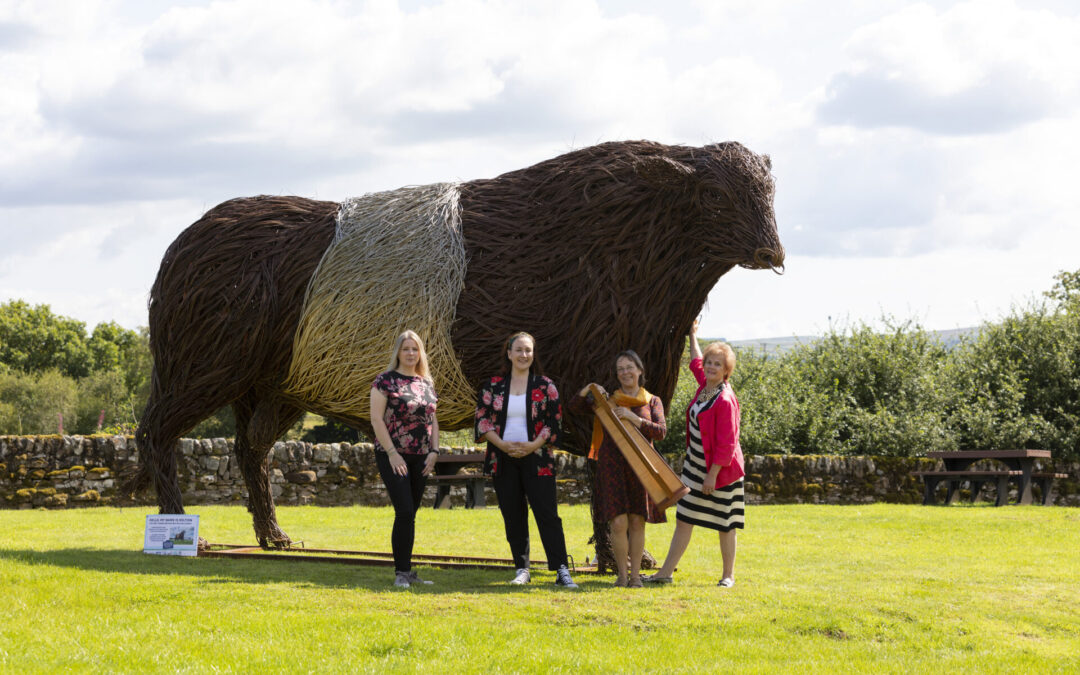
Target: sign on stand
x,y
172,534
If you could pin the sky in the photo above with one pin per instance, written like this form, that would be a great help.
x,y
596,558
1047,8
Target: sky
x,y
924,152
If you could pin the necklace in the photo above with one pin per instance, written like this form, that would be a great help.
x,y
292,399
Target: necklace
x,y
709,392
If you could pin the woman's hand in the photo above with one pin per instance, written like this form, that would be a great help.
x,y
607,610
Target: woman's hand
x,y
628,415
519,450
695,348
516,449
585,392
429,463
709,483
397,463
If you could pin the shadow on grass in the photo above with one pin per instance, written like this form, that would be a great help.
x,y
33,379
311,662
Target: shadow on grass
x,y
304,573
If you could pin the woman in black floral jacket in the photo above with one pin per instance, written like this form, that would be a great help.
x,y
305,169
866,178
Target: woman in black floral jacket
x,y
518,414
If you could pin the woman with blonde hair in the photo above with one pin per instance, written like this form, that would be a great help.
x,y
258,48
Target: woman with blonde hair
x,y
403,402
713,468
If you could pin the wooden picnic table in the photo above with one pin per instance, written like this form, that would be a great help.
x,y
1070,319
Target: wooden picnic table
x,y
448,471
957,463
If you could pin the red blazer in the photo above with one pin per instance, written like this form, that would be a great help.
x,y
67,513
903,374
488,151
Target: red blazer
x,y
719,427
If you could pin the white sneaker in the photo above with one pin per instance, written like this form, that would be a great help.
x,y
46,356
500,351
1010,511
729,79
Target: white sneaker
x,y
414,579
401,579
521,578
726,582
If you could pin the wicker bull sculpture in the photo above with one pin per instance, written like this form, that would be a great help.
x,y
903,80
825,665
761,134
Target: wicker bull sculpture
x,y
280,305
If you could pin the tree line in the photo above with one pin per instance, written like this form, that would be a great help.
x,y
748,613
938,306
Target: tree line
x,y
901,392
855,391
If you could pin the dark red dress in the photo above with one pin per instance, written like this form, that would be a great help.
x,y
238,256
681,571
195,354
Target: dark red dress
x,y
617,490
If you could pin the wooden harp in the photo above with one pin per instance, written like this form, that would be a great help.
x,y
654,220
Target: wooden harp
x,y
663,485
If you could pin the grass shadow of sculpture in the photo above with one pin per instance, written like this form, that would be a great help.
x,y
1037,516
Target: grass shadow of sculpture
x,y
218,570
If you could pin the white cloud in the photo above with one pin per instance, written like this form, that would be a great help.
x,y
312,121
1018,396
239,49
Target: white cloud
x,y
905,137
977,67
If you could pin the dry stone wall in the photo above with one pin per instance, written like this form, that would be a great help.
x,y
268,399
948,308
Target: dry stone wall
x,y
76,471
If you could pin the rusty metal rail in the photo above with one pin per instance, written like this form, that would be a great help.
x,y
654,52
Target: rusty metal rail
x,y
369,558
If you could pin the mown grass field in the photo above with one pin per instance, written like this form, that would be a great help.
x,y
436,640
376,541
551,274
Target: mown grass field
x,y
879,588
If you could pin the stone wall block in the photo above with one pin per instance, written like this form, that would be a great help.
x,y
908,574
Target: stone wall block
x,y
321,453
301,477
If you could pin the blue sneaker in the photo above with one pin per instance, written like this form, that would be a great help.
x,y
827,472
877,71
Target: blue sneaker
x,y
563,580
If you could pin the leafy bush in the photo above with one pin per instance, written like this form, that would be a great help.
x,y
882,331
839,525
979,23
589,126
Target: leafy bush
x,y
31,403
902,393
102,392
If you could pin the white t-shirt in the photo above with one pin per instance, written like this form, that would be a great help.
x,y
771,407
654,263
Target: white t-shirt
x,y
516,430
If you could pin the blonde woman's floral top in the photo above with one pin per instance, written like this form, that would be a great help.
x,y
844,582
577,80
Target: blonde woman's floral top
x,y
543,415
410,411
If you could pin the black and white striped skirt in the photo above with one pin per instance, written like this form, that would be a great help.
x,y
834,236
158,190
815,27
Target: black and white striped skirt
x,y
723,509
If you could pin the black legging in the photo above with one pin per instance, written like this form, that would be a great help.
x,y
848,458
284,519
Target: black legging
x,y
405,494
518,487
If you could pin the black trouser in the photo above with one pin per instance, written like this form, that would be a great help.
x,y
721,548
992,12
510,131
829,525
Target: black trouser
x,y
405,494
517,486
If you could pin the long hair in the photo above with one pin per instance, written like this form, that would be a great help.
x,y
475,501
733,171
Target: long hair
x,y
508,367
421,364
633,356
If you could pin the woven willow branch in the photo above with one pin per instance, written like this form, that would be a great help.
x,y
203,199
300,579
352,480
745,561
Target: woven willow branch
x,y
397,262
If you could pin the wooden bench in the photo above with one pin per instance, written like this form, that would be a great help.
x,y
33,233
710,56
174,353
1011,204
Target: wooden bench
x,y
1045,481
959,462
954,478
448,473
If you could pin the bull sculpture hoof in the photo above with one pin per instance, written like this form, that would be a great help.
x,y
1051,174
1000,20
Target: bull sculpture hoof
x,y
275,538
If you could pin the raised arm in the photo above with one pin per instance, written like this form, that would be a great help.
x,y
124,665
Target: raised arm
x,y
695,349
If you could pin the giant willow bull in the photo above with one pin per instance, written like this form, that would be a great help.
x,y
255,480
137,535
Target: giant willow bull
x,y
280,305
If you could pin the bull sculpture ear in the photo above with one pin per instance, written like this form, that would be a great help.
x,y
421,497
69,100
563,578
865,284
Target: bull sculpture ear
x,y
664,173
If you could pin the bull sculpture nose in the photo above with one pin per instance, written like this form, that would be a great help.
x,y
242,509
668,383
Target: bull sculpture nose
x,y
769,258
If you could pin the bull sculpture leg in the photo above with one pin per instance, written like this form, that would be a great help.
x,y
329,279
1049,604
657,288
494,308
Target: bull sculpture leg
x,y
167,416
260,422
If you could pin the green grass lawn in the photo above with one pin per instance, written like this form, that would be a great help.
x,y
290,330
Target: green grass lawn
x,y
879,588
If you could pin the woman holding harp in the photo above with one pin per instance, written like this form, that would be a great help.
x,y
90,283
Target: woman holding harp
x,y
619,498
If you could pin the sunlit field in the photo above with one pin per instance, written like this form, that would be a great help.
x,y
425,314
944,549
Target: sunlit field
x,y
879,588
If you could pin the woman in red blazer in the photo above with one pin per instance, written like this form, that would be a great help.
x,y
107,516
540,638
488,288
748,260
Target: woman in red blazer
x,y
713,467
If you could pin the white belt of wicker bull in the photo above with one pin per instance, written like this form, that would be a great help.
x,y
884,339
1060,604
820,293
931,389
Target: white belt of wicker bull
x,y
397,262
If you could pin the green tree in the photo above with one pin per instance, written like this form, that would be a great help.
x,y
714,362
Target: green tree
x,y
32,403
102,392
1018,382
1066,290
111,368
33,340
